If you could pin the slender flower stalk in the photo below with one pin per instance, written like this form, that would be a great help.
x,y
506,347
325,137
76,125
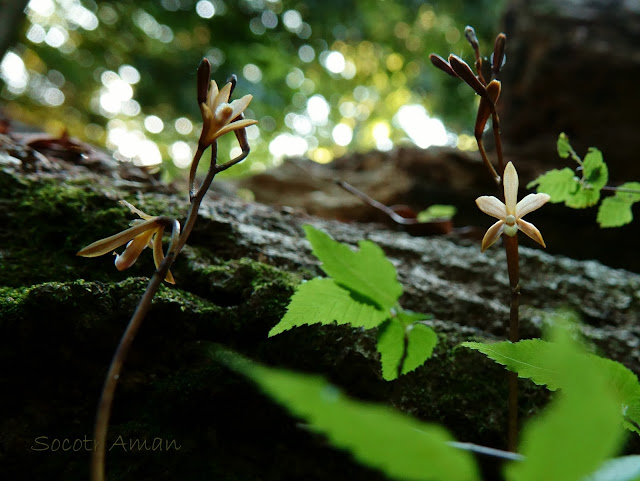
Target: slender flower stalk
x,y
509,214
219,117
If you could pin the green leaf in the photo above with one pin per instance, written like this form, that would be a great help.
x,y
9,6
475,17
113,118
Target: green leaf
x,y
391,348
629,196
594,169
559,184
422,341
564,147
583,197
367,271
404,347
436,212
626,468
614,212
579,430
531,359
322,301
376,435
535,359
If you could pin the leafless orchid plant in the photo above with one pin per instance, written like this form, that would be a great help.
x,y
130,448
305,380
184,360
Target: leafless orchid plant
x,y
220,116
510,212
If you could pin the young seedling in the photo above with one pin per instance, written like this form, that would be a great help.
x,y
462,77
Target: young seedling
x,y
219,117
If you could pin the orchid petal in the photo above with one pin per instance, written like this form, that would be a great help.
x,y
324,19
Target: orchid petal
x,y
530,203
213,94
133,250
492,235
137,211
492,206
104,246
531,230
510,181
240,124
158,254
223,97
240,105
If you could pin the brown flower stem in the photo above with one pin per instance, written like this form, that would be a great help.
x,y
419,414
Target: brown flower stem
x,y
495,123
193,170
511,248
111,381
486,161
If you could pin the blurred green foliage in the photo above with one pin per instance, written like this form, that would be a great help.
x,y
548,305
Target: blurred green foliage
x,y
327,76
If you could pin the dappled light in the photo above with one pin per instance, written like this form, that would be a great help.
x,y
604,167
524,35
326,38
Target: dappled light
x,y
111,73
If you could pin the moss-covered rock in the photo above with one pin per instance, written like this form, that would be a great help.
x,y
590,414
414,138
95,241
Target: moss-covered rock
x,y
61,317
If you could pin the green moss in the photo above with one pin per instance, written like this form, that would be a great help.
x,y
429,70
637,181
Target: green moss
x,y
49,222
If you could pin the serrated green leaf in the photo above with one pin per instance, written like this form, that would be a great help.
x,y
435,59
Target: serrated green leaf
x,y
375,435
436,211
629,196
367,271
531,359
564,147
422,341
626,468
322,301
391,346
404,344
579,430
535,359
614,212
595,170
558,184
583,197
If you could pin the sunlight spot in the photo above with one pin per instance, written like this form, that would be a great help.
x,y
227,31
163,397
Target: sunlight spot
x,y
36,33
318,109
153,124
321,155
181,154
342,134
421,129
252,73
183,126
335,62
14,73
292,20
269,19
129,74
56,36
44,8
287,145
205,9
381,133
306,53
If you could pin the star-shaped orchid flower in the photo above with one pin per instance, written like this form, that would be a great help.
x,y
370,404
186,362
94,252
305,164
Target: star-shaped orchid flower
x,y
510,214
144,232
220,116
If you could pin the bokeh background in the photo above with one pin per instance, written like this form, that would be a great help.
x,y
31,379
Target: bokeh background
x,y
328,77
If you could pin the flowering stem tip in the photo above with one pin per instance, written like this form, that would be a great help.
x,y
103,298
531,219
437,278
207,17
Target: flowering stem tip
x,y
511,212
